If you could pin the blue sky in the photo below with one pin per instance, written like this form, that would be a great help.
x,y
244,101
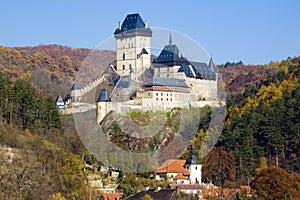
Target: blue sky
x,y
251,30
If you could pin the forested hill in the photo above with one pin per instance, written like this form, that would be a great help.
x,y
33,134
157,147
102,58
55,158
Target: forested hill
x,y
52,68
41,155
264,123
262,129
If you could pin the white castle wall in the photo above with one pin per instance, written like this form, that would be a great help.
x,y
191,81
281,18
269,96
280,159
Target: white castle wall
x,y
77,94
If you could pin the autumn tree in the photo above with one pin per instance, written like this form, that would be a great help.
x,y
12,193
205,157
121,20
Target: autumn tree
x,y
276,183
219,167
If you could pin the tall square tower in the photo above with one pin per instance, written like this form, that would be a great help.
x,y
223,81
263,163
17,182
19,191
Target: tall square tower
x,y
133,42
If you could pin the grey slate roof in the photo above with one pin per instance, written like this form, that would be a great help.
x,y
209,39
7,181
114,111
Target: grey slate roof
x,y
144,51
132,22
103,96
188,70
193,159
211,65
170,53
156,81
59,99
75,87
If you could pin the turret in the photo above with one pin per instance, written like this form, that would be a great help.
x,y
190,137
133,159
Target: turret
x,y
60,103
75,93
104,105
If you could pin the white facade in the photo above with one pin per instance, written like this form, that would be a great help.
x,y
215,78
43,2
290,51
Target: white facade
x,y
103,108
131,58
195,171
203,89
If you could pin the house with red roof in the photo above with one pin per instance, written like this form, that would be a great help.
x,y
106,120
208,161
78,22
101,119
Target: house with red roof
x,y
181,171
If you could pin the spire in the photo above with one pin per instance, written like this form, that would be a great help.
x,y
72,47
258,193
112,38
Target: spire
x,y
170,39
212,64
193,159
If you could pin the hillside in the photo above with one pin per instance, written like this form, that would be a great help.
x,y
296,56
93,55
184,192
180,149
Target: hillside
x,y
37,143
52,68
238,77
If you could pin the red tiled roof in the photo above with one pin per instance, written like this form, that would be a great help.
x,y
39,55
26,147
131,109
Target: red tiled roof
x,y
173,166
109,196
179,176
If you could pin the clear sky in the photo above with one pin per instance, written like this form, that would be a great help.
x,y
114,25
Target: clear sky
x,y
254,31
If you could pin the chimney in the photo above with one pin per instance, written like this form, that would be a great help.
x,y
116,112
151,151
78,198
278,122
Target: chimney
x,y
146,24
120,25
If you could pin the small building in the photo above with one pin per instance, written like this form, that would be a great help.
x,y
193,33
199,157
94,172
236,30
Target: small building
x,y
60,103
181,171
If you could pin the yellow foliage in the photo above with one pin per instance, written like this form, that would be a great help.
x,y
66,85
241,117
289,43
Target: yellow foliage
x,y
56,196
146,197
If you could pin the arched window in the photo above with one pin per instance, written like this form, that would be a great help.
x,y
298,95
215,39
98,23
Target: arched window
x,y
123,56
123,67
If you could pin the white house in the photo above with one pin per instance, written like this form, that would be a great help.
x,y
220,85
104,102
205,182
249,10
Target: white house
x,y
181,171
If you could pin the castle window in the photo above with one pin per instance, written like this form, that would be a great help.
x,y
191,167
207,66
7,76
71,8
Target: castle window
x,y
156,94
171,99
195,168
156,99
167,94
123,67
162,94
162,99
167,99
123,56
149,94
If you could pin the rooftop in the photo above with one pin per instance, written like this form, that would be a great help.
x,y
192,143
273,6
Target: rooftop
x,y
103,96
179,176
173,166
174,82
59,99
75,87
133,22
163,194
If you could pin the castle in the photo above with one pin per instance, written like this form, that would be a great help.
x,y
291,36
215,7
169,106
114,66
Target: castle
x,y
176,81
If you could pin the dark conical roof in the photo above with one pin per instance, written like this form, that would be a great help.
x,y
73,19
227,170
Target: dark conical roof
x,y
59,99
144,51
212,65
193,159
103,96
75,87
